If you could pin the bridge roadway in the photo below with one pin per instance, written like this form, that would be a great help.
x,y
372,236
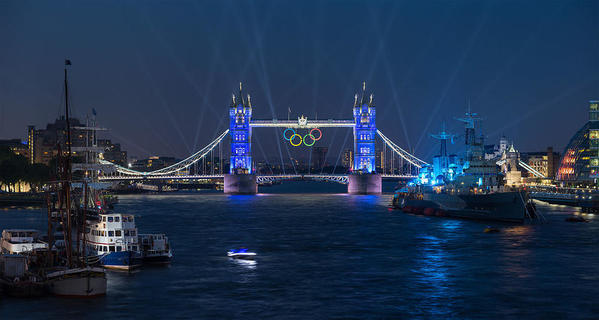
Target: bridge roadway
x,y
275,123
339,178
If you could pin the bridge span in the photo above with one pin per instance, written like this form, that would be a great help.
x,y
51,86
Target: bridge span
x,y
242,177
260,179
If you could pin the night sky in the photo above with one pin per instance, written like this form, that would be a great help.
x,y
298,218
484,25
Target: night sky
x,y
160,73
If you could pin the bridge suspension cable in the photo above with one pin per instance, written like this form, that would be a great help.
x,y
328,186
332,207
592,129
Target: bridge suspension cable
x,y
401,152
183,164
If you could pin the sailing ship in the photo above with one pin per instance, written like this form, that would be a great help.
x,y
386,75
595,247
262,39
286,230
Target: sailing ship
x,y
73,276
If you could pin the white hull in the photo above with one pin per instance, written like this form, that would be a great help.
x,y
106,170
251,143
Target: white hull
x,y
78,283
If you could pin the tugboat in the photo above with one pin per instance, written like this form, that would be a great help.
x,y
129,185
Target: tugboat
x,y
468,187
112,241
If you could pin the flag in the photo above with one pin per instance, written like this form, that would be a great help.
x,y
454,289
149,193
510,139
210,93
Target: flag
x,y
67,62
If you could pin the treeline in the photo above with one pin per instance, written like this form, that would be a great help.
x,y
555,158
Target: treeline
x,y
15,170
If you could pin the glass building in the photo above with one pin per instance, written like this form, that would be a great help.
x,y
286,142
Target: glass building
x,y
580,160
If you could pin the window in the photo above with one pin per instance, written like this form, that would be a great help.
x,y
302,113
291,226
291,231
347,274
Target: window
x,y
110,219
111,233
132,233
104,219
118,248
126,233
117,233
134,248
117,219
111,248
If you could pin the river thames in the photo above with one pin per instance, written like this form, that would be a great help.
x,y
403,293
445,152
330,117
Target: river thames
x,y
332,255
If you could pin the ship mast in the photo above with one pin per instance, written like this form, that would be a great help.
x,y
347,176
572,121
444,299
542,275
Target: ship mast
x,y
443,136
67,169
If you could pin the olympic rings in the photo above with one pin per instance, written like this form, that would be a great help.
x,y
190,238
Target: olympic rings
x,y
285,134
313,140
292,137
319,134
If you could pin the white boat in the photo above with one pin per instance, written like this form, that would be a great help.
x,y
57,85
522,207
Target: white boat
x,y
155,248
18,241
241,254
113,241
77,282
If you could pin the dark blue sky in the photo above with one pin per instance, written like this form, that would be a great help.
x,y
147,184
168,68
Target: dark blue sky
x,y
161,73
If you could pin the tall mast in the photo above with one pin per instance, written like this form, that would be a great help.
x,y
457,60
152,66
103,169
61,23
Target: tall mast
x,y
67,180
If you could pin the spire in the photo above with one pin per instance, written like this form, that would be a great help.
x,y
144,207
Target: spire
x,y
363,93
249,101
240,94
233,99
371,99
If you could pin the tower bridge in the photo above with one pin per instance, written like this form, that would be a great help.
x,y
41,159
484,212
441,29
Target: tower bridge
x,y
242,178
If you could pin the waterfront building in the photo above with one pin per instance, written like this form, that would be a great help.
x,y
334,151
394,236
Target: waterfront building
x,y
580,159
380,161
153,163
348,158
545,162
112,152
494,152
16,146
44,141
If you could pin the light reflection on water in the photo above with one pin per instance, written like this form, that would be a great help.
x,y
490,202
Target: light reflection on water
x,y
337,256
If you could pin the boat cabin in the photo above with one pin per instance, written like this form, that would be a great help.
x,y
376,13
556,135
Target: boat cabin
x,y
17,241
113,232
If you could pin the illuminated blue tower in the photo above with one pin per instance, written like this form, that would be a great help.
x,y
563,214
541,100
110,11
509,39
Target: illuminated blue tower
x,y
240,114
364,133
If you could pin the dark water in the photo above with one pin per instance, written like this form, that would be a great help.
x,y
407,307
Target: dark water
x,y
337,256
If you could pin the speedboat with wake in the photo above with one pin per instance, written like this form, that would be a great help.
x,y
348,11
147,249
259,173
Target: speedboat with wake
x,y
241,253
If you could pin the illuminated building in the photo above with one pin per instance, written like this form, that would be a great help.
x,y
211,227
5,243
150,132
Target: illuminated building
x,y
364,133
112,152
348,158
580,160
240,114
16,146
545,162
31,143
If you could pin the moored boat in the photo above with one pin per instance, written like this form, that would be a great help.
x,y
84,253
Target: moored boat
x,y
155,248
17,241
77,282
17,280
468,187
113,242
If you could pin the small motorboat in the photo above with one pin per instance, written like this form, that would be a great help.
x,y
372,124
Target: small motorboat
x,y
241,253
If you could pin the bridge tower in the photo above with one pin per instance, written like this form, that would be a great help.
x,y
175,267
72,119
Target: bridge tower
x,y
240,179
364,179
